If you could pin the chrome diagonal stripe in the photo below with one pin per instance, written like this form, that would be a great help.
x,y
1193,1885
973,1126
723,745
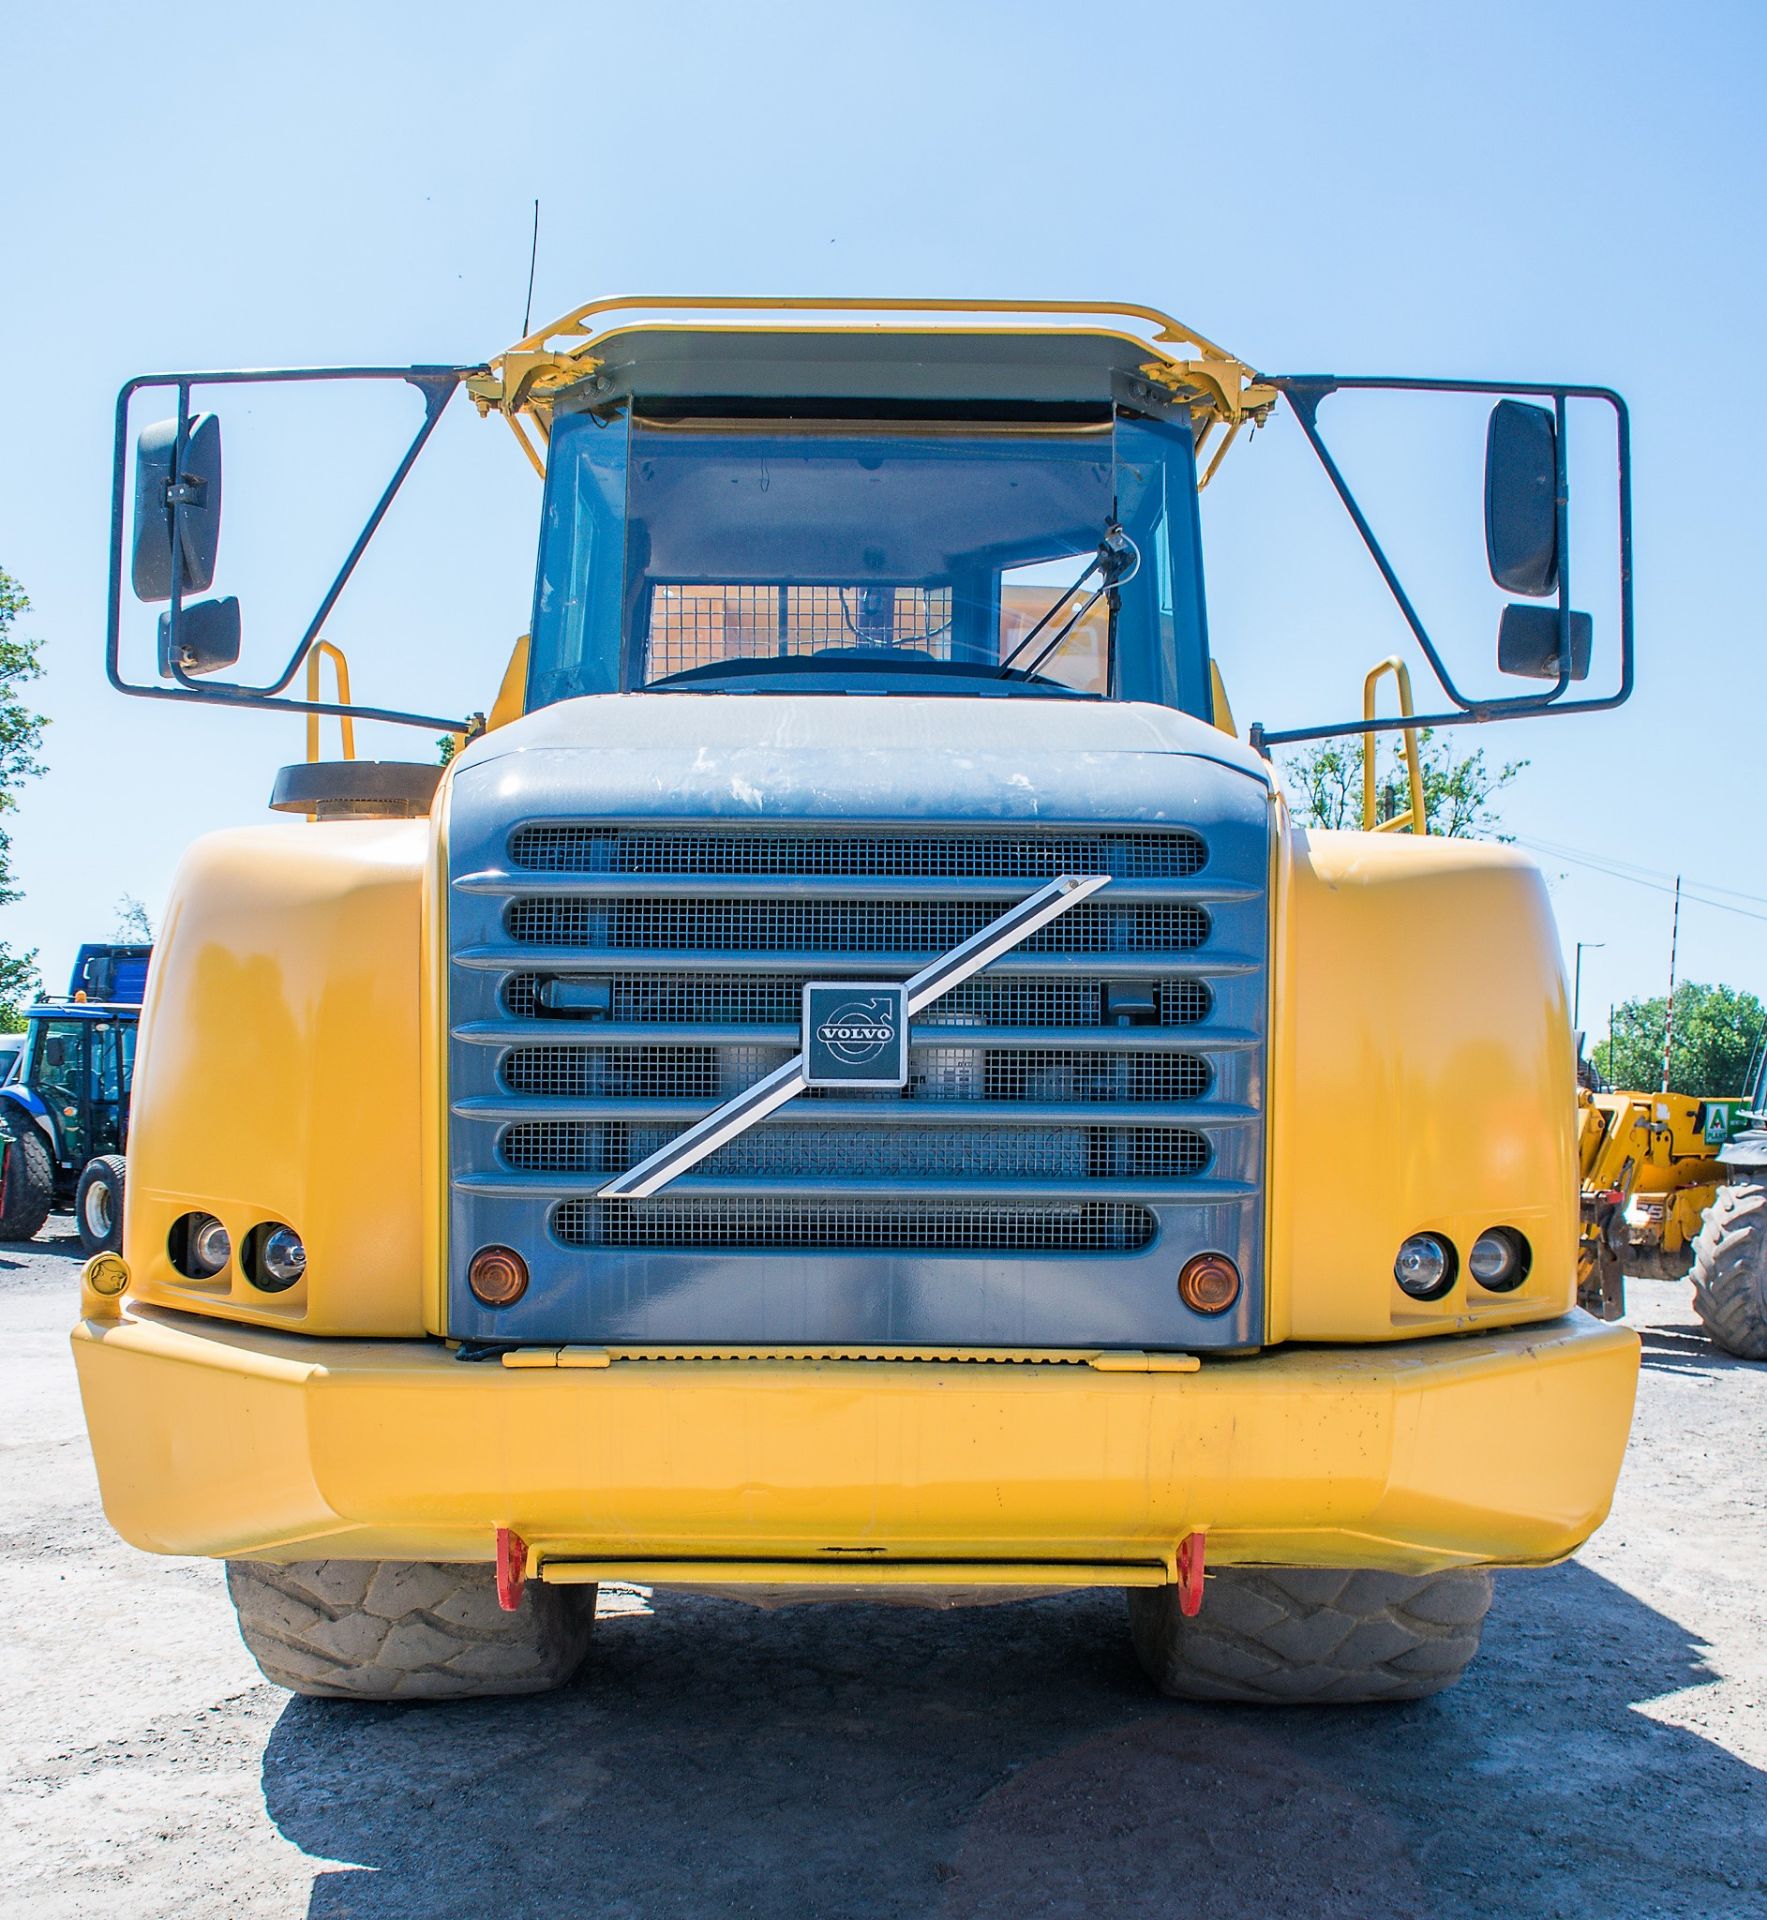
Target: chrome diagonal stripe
x,y
923,988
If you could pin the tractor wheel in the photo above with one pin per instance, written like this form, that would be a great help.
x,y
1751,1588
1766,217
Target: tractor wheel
x,y
1730,1269
1300,1636
27,1189
98,1204
405,1629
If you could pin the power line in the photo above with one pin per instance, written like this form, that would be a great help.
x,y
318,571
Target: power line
x,y
1623,869
1690,890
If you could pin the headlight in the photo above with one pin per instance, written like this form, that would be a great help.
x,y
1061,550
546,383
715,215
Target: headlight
x,y
199,1246
1425,1266
1499,1259
274,1257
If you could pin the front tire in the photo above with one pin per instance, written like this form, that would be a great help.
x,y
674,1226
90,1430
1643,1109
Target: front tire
x,y
405,1629
27,1189
1302,1636
1730,1269
98,1204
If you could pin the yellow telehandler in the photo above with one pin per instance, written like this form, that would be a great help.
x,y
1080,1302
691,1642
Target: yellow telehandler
x,y
850,1079
1650,1169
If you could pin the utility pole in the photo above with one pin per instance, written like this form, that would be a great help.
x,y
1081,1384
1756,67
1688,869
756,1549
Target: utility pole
x,y
1577,990
1669,1011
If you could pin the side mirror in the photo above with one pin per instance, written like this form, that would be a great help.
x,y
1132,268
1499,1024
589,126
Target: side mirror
x,y
55,1051
1527,643
208,637
182,507
1521,498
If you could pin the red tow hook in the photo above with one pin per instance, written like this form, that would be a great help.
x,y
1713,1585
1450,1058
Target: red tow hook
x,y
1190,1575
512,1568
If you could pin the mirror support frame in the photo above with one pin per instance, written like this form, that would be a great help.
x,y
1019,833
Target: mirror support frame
x,y
1304,392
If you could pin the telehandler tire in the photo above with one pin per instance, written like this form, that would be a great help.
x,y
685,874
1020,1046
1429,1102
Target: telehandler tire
x,y
405,1629
27,1190
1730,1269
98,1204
1306,1636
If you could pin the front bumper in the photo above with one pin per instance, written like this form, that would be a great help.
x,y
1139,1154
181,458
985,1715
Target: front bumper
x,y
214,1438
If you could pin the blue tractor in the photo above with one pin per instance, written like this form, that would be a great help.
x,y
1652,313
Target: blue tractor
x,y
64,1112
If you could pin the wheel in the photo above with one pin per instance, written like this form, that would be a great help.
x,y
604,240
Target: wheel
x,y
405,1629
1294,1636
98,1204
27,1188
1730,1269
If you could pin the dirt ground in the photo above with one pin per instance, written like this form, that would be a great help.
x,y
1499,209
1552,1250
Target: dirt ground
x,y
1605,1757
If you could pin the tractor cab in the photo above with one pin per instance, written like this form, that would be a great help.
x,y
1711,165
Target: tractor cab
x,y
64,1110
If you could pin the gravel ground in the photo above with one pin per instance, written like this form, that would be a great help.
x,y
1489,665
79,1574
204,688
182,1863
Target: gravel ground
x,y
1604,1757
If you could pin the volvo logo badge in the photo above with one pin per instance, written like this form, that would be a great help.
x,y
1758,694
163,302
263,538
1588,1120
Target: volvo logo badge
x,y
855,1034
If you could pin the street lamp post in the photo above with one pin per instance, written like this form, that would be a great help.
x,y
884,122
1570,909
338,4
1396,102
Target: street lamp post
x,y
1577,989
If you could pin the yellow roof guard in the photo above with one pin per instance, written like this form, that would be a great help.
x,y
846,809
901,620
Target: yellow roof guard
x,y
604,345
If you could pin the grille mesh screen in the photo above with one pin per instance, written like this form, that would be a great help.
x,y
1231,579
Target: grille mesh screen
x,y
890,1227
910,1153
747,999
638,1073
979,1073
928,927
936,1074
581,847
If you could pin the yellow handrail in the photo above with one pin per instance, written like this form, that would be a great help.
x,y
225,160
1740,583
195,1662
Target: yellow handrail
x,y
1416,816
341,672
526,377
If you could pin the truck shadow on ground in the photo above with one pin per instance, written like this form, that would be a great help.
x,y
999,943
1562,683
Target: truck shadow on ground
x,y
864,1761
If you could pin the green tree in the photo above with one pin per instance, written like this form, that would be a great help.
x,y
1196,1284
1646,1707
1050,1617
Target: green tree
x,y
1716,1030
133,923
21,734
1324,785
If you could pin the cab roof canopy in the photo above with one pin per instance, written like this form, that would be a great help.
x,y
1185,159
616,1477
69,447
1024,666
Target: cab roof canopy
x,y
908,353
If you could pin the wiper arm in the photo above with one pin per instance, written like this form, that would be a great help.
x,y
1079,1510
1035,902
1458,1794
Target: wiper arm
x,y
1117,560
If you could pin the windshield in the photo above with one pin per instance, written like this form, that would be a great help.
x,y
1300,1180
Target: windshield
x,y
710,555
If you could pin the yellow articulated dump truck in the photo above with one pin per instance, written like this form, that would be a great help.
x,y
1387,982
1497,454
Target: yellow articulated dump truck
x,y
850,1079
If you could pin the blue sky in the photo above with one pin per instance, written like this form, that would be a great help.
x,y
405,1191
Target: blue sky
x,y
1556,191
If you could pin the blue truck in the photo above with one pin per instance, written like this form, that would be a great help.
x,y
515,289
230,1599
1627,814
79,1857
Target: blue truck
x,y
64,1113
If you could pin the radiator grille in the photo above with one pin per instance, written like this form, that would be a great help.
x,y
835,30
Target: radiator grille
x,y
1012,1113
915,1153
918,927
572,847
904,1227
741,999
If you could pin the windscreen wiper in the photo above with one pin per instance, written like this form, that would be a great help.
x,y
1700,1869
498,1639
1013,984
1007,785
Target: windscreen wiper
x,y
1117,560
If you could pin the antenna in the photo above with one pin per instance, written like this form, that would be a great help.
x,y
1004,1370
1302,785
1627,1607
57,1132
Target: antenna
x,y
533,256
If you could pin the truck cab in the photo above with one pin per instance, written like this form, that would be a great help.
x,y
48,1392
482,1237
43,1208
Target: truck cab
x,y
855,1080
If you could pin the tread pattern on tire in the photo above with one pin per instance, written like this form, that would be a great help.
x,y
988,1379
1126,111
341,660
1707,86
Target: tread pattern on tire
x,y
29,1188
1730,1269
1290,1636
111,1170
405,1629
